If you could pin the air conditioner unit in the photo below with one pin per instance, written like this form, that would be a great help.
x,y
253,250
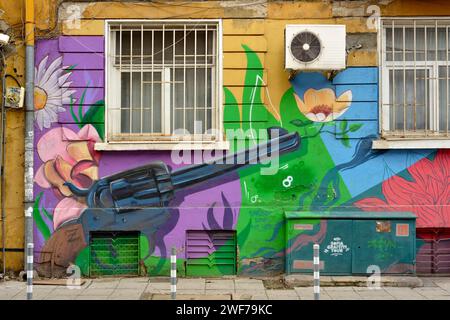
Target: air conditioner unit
x,y
315,47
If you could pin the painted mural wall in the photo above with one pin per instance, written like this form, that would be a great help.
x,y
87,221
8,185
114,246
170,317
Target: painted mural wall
x,y
333,169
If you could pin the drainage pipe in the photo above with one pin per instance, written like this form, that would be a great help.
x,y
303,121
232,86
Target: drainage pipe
x,y
29,137
2,165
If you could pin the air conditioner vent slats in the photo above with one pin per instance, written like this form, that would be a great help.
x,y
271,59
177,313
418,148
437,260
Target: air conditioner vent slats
x,y
305,47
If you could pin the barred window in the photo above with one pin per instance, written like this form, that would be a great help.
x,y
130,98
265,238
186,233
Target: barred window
x,y
163,81
415,78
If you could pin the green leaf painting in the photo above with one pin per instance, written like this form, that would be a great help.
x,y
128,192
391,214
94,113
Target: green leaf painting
x,y
305,168
95,115
38,220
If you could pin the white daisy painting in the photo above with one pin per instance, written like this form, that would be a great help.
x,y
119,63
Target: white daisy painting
x,y
51,92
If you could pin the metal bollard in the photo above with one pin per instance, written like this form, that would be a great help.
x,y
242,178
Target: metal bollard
x,y
30,253
316,272
173,274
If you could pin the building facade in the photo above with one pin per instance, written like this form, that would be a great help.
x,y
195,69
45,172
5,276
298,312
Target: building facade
x,y
132,98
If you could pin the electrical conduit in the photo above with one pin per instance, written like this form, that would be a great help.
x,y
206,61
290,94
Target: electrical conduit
x,y
29,137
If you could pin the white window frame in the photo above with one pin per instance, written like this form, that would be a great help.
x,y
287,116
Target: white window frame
x,y
194,143
386,140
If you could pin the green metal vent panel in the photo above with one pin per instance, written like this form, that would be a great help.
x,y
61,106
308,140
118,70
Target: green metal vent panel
x,y
114,253
211,253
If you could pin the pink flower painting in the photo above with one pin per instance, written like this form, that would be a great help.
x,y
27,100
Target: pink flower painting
x,y
67,157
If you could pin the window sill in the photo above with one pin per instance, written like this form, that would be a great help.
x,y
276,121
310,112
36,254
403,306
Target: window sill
x,y
144,146
382,144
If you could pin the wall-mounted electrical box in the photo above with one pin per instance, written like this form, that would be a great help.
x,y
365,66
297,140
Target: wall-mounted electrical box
x,y
14,97
351,242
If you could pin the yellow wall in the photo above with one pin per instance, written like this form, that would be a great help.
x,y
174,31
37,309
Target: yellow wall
x,y
13,16
259,25
14,149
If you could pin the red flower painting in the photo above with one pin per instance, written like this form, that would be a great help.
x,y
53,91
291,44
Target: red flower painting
x,y
427,194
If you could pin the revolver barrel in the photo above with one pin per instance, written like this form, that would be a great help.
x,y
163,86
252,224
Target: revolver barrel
x,y
154,185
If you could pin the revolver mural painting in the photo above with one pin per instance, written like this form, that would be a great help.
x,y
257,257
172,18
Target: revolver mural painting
x,y
138,199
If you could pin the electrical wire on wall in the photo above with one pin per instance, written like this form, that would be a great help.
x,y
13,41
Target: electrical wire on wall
x,y
2,162
2,216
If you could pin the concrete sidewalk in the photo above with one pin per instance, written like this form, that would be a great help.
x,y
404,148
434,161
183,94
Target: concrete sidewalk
x,y
434,288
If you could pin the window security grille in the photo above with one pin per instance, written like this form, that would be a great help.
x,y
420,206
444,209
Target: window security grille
x,y
415,78
163,80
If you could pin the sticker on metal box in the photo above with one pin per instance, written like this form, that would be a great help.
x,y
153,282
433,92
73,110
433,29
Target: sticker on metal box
x,y
402,230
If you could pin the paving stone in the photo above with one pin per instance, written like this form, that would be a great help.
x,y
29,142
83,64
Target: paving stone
x,y
338,289
251,292
219,291
133,283
97,292
376,297
66,292
190,284
403,293
433,293
158,286
191,291
253,285
220,284
260,296
282,294
341,293
191,297
59,297
13,285
19,297
135,279
372,294
235,288
45,287
156,291
443,283
85,297
247,280
41,289
428,282
307,293
446,297
111,284
36,296
241,296
345,296
7,295
124,297
9,292
127,293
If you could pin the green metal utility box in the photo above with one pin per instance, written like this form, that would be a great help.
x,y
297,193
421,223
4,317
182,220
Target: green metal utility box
x,y
351,242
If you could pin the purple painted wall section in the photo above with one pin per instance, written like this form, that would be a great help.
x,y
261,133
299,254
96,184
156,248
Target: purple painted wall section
x,y
81,73
80,78
83,44
84,61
